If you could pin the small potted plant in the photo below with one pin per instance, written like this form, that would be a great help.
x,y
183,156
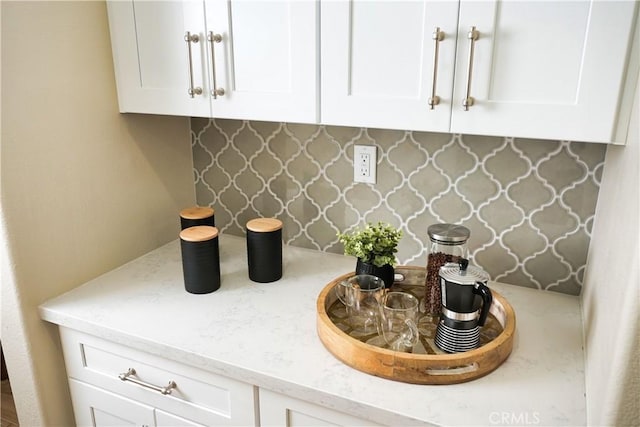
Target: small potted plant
x,y
375,246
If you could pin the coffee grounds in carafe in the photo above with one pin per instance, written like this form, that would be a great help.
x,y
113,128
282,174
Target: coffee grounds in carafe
x,y
433,293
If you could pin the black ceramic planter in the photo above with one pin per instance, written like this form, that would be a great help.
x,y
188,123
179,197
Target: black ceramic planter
x,y
385,272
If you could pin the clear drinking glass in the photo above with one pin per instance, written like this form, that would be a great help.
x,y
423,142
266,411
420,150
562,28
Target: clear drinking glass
x,y
361,294
398,318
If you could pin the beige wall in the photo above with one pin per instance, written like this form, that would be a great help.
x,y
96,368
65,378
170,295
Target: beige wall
x,y
611,296
84,188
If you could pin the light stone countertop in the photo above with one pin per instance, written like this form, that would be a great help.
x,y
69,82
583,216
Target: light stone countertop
x,y
265,334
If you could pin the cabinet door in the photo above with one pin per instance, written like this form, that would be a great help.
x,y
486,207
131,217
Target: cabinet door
x,y
378,63
282,411
542,69
267,59
93,406
165,419
151,56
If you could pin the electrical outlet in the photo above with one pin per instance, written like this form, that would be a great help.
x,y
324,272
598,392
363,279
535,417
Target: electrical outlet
x,y
364,163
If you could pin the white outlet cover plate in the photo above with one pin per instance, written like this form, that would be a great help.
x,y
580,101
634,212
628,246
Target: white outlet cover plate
x,y
364,163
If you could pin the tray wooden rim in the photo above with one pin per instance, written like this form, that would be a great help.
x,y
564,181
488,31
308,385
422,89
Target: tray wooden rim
x,y
409,367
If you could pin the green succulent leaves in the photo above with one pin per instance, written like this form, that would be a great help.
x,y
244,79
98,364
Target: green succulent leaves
x,y
375,244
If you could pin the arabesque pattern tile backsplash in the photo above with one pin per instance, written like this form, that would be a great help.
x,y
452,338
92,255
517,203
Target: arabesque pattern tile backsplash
x,y
529,204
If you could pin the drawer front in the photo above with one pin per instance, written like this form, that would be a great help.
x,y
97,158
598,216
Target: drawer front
x,y
197,396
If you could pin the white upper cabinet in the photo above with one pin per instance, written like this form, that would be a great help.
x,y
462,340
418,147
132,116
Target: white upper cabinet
x,y
551,70
521,68
267,59
151,56
247,59
378,64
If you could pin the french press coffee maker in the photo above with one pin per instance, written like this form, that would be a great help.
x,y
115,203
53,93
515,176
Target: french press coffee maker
x,y
466,301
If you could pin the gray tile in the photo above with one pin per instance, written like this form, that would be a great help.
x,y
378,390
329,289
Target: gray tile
x,y
529,204
549,269
266,129
554,221
561,170
573,249
507,165
450,207
501,214
477,187
530,193
454,161
524,241
582,198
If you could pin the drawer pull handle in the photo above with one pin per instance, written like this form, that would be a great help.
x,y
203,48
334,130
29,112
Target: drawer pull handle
x,y
437,36
191,38
472,35
128,376
216,91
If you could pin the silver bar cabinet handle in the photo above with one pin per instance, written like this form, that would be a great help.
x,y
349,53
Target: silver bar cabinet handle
x,y
128,376
472,35
214,38
437,36
191,38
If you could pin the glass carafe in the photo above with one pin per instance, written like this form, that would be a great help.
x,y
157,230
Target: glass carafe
x,y
447,243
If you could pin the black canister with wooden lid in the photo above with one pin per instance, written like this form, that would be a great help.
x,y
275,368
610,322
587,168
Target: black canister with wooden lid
x,y
197,215
264,249
200,259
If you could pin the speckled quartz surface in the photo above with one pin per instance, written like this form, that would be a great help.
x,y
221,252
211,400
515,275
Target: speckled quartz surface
x,y
265,334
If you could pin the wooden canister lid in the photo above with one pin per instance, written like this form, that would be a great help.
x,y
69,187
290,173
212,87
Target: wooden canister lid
x,y
196,212
199,233
264,225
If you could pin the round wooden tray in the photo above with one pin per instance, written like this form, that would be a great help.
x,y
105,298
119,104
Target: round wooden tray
x,y
411,367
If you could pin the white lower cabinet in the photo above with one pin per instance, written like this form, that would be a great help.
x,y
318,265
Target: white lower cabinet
x,y
93,406
101,397
161,392
164,419
279,410
97,407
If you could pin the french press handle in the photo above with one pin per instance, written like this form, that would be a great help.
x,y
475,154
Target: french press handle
x,y
487,298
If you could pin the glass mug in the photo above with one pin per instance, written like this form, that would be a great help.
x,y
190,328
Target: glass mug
x,y
361,295
398,320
